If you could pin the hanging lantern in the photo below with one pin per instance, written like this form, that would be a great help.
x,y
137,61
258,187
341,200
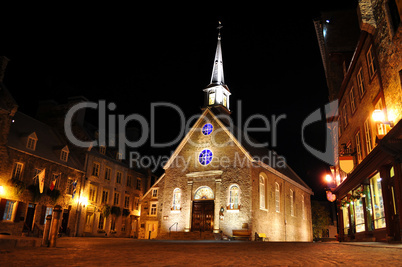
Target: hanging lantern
x,y
331,197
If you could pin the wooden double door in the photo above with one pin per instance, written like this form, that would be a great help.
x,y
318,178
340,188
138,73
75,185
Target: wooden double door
x,y
203,216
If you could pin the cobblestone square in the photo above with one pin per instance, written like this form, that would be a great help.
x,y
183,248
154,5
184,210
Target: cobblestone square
x,y
131,252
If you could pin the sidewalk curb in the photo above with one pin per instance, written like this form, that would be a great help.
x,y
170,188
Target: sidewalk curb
x,y
379,245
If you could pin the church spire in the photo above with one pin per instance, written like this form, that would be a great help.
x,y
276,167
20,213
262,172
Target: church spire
x,y
217,92
217,71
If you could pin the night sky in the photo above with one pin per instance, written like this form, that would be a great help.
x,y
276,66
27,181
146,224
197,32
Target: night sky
x,y
135,56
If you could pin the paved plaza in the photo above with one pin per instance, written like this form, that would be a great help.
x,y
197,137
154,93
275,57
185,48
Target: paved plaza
x,y
130,252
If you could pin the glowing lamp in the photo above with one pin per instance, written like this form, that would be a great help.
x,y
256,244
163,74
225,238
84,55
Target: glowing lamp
x,y
328,178
378,116
83,201
2,190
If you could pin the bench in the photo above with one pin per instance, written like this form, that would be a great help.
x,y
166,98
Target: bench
x,y
261,237
241,234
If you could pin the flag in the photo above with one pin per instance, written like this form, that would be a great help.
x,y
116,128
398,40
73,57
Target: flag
x,y
53,183
74,188
41,178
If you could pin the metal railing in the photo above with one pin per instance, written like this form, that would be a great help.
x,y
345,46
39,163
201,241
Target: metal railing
x,y
176,223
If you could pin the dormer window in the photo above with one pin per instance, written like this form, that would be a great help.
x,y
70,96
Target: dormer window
x,y
102,150
32,139
119,156
64,154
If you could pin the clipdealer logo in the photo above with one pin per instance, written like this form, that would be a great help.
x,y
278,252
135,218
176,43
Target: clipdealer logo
x,y
112,132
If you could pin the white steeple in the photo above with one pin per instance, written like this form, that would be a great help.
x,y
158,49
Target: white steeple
x,y
217,92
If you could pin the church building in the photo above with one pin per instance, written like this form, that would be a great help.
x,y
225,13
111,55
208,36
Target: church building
x,y
218,182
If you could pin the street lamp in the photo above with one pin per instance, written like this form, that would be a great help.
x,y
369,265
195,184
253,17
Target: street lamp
x,y
379,117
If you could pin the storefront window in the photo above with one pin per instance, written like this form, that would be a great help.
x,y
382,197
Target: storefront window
x,y
377,201
369,210
359,215
345,215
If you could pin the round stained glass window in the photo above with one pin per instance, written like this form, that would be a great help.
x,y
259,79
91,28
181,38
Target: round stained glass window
x,y
207,129
205,157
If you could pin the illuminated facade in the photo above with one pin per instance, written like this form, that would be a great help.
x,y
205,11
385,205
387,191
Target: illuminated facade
x,y
367,85
27,148
218,182
105,198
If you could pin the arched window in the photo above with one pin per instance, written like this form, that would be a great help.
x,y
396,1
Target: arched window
x,y
277,198
234,193
204,192
176,199
263,192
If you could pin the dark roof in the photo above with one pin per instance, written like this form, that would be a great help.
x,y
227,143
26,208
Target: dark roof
x,y
49,144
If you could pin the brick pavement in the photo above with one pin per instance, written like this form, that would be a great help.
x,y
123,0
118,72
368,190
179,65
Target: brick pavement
x,y
130,252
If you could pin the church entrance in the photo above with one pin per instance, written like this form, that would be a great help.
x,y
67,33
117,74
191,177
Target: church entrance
x,y
203,216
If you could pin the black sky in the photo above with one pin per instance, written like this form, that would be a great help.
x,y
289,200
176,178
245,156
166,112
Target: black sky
x,y
135,56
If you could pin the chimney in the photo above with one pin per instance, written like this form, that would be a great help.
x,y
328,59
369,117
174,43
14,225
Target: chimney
x,y
3,65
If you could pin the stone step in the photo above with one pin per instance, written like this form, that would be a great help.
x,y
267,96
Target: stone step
x,y
188,236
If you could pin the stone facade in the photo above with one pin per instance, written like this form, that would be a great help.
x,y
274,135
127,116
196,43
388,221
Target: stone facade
x,y
231,165
371,85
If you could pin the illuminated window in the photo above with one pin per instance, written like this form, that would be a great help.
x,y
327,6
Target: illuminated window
x,y
108,173
370,62
358,148
292,198
92,193
116,198
95,169
102,150
118,177
153,210
377,201
277,197
155,193
360,82
64,154
211,98
234,197
380,126
207,129
263,193
31,143
176,199
367,132
205,157
105,196
204,192
126,202
69,186
225,100
101,224
17,171
359,216
8,211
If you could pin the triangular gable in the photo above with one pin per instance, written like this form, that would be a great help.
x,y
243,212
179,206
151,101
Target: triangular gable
x,y
33,136
152,187
296,180
65,149
197,126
